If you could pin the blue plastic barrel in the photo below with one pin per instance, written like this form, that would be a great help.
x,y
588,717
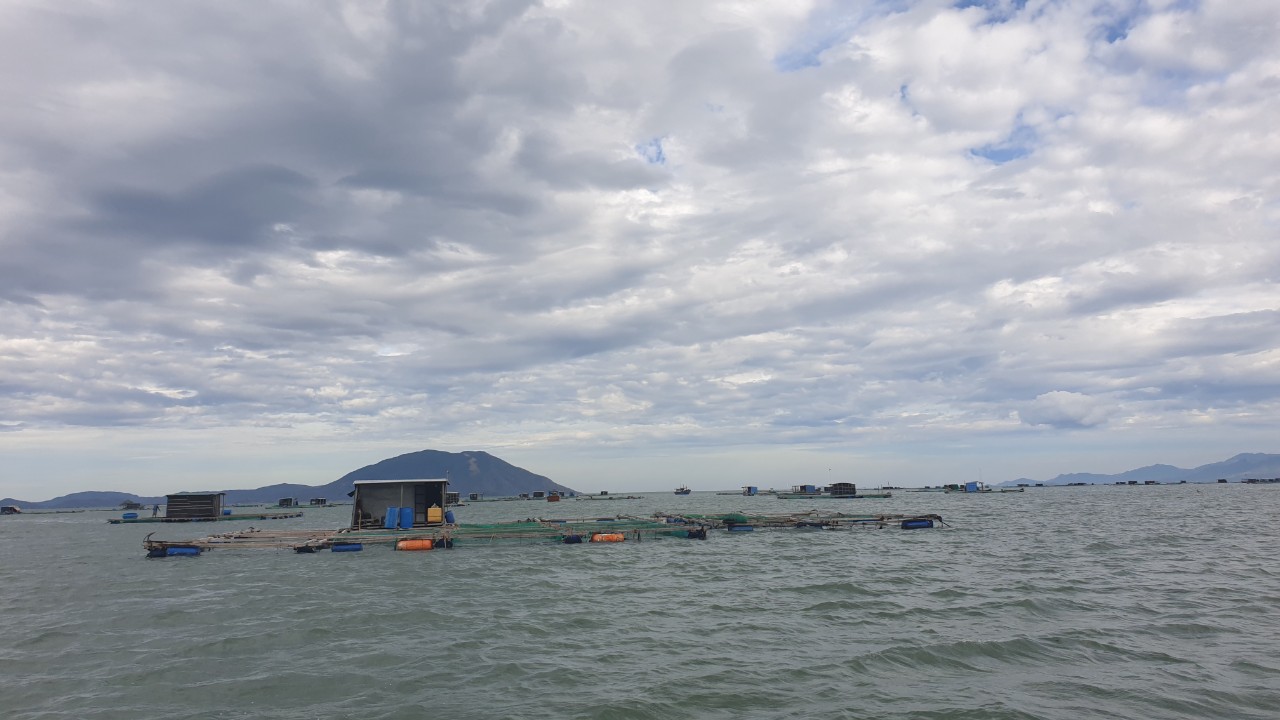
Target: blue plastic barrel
x,y
406,518
129,516
188,551
226,511
347,547
741,528
572,539
448,516
393,517
917,524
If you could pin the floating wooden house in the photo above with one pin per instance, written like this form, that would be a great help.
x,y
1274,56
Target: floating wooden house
x,y
842,489
193,505
319,502
452,498
801,491
287,502
416,503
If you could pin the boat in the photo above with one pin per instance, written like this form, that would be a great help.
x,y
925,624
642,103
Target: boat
x,y
968,488
10,510
683,490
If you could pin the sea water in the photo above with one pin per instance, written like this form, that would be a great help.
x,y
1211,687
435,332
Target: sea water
x,y
1084,602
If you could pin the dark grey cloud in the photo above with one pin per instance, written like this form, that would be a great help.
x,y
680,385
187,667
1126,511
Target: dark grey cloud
x,y
234,208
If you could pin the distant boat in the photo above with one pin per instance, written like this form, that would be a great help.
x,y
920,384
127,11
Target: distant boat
x,y
683,490
10,510
969,488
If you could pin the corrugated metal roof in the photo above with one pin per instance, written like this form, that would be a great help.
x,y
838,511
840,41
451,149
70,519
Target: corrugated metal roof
x,y
410,480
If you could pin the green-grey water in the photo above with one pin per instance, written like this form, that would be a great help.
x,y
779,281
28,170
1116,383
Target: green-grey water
x,y
1098,602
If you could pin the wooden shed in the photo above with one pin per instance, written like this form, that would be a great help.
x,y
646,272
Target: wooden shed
x,y
843,489
373,498
193,505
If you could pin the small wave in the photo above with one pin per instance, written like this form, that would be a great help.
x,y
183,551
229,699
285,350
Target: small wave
x,y
835,588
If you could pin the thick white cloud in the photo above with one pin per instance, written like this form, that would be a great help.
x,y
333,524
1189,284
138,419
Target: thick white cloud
x,y
1065,409
325,233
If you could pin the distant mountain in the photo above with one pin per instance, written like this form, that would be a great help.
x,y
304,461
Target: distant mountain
x,y
1240,467
468,472
84,500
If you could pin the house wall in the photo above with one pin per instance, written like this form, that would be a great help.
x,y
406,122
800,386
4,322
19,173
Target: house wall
x,y
193,506
372,501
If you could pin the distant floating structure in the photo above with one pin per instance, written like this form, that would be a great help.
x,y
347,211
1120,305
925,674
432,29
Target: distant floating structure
x,y
400,531
834,491
198,507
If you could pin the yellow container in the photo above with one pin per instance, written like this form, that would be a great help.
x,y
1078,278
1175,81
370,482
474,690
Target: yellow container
x,y
415,544
608,537
435,514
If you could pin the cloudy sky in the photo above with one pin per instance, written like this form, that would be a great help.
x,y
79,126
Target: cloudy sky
x,y
634,245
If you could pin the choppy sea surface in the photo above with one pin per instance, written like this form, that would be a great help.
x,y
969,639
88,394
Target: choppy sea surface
x,y
1087,602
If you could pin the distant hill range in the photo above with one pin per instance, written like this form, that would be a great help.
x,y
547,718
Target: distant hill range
x,y
1241,467
468,472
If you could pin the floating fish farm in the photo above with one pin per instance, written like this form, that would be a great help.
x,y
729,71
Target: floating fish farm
x,y
200,507
131,518
410,515
620,528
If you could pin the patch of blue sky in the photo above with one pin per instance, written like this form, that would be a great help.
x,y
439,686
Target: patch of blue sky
x,y
904,94
998,11
1168,88
1000,153
830,25
652,152
1020,143
1114,20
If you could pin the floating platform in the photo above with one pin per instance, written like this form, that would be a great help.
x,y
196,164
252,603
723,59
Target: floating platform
x,y
830,496
620,528
250,516
812,520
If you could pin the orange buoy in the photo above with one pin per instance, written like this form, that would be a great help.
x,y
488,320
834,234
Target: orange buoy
x,y
415,544
608,537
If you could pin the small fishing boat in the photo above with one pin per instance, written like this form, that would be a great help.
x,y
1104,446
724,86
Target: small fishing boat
x,y
683,490
969,488
10,510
